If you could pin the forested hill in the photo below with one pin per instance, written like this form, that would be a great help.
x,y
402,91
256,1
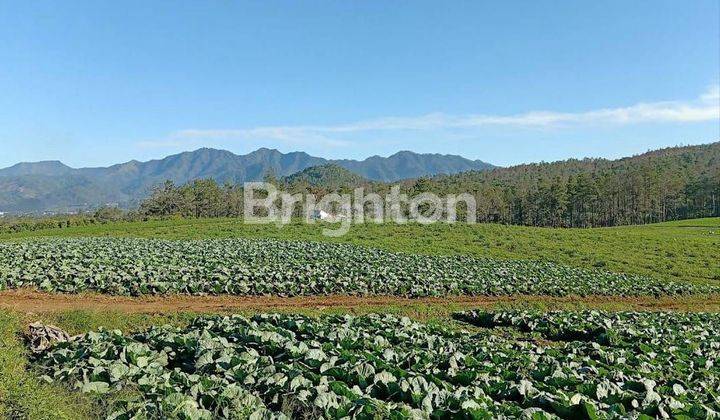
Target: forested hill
x,y
329,176
667,184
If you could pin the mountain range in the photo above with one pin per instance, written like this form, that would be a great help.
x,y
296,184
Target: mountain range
x,y
54,186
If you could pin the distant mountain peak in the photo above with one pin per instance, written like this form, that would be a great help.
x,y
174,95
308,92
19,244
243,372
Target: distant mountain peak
x,y
45,167
266,151
53,163
63,187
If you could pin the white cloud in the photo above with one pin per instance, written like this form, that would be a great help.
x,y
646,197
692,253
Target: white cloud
x,y
298,136
704,108
712,95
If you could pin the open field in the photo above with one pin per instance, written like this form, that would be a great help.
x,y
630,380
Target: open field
x,y
359,210
685,250
578,269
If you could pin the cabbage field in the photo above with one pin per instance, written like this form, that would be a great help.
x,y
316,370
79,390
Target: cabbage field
x,y
278,268
495,365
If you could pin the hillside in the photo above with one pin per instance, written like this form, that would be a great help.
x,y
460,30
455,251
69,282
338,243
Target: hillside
x,y
331,176
667,184
42,186
411,165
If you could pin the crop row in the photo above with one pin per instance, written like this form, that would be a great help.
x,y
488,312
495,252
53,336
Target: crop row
x,y
278,366
268,267
632,330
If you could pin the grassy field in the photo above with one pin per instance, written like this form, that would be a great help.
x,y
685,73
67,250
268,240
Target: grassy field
x,y
686,250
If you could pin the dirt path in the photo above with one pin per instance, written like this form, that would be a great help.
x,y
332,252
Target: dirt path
x,y
30,301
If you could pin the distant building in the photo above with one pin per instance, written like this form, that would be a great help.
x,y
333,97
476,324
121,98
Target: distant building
x,y
327,216
320,215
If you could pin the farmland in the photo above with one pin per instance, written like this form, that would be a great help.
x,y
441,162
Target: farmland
x,y
587,365
291,268
216,319
684,250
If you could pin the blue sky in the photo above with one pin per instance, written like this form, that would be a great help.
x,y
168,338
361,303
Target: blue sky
x,y
97,82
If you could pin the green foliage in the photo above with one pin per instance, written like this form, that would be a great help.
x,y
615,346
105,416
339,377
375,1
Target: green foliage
x,y
201,198
381,366
28,224
110,214
630,330
332,177
291,268
667,184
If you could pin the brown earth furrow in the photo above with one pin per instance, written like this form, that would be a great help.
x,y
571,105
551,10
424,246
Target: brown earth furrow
x,y
31,301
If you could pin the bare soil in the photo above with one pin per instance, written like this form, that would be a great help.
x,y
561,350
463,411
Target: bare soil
x,y
31,301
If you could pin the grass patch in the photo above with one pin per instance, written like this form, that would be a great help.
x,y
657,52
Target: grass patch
x,y
79,321
22,395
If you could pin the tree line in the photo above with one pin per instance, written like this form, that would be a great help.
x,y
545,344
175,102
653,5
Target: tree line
x,y
663,185
668,184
